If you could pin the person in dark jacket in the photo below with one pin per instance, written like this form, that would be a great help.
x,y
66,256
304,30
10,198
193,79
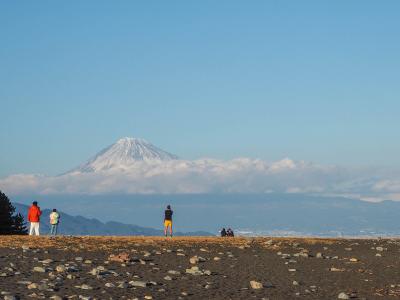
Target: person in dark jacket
x,y
168,220
223,232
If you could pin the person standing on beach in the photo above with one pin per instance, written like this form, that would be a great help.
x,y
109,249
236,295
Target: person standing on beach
x,y
34,218
168,220
54,221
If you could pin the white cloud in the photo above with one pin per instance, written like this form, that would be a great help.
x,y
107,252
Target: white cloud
x,y
240,175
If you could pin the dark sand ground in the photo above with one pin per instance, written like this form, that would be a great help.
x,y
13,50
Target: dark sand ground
x,y
80,268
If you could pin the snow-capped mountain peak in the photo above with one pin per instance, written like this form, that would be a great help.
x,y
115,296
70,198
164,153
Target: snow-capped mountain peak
x,y
123,154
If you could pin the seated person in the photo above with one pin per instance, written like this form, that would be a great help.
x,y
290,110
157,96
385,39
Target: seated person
x,y
229,232
223,232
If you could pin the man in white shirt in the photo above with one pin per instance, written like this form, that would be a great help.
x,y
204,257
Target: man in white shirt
x,y
54,221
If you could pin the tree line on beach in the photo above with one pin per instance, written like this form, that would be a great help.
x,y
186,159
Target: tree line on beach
x,y
10,222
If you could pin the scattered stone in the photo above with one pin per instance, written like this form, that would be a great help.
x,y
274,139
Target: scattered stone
x,y
84,287
196,259
256,285
353,259
121,257
123,285
169,278
32,286
217,258
194,271
343,296
72,269
60,268
39,269
138,283
47,261
335,269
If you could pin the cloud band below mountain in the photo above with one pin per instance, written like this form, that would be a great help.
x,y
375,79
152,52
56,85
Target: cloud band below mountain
x,y
213,176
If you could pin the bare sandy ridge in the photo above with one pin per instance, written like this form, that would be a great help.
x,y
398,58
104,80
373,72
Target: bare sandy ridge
x,y
94,242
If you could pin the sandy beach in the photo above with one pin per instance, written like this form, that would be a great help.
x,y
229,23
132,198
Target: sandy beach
x,y
198,268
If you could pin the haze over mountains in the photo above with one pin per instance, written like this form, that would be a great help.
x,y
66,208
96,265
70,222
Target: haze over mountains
x,y
79,225
251,214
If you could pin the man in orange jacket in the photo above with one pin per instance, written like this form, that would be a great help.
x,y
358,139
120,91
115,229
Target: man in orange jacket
x,y
34,218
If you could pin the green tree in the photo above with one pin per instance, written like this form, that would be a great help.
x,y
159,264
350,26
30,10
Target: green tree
x,y
19,224
10,223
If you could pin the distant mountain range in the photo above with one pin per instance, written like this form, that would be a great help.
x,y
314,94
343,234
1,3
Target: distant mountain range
x,y
249,214
78,225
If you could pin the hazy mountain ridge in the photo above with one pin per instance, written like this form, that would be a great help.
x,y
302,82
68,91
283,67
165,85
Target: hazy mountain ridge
x,y
269,214
78,225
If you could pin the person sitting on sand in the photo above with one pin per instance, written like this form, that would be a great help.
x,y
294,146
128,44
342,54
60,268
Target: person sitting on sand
x,y
54,221
230,233
34,214
223,232
168,220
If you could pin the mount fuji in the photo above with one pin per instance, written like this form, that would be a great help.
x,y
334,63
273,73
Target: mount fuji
x,y
135,166
124,154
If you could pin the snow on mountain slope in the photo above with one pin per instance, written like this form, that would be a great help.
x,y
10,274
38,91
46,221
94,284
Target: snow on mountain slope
x,y
124,154
135,166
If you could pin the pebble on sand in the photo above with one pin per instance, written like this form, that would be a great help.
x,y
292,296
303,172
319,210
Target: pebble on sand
x,y
343,296
136,283
256,285
39,269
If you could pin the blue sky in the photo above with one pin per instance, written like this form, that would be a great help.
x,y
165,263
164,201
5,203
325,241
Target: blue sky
x,y
310,80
